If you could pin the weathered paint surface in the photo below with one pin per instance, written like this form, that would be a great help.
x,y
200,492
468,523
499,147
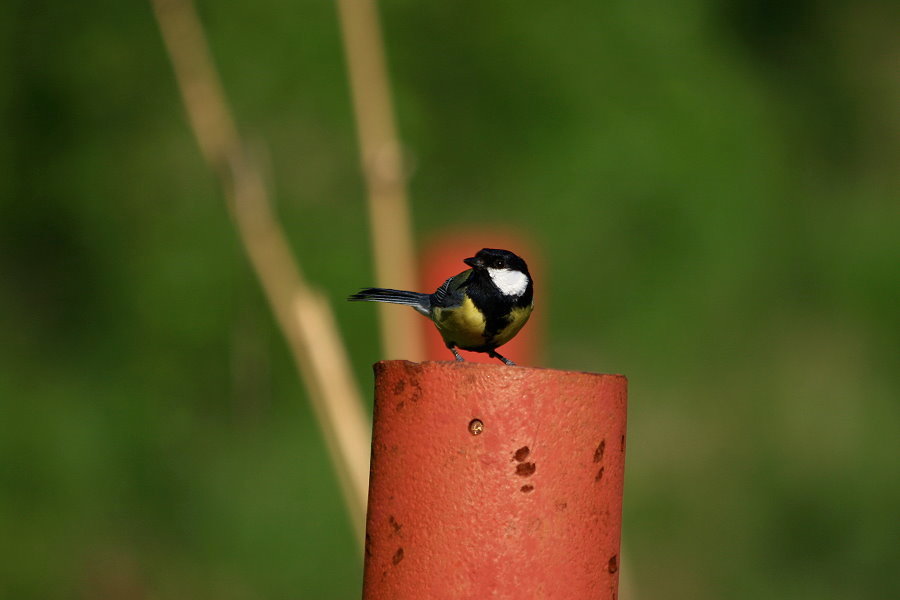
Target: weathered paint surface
x,y
494,482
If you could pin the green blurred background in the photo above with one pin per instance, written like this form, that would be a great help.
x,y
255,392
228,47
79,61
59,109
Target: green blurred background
x,y
713,187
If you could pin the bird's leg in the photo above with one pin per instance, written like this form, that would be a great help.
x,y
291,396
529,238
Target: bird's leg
x,y
456,354
494,354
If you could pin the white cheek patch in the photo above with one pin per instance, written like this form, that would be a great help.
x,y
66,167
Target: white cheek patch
x,y
510,283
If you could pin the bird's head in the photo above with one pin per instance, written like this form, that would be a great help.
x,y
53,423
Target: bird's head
x,y
507,270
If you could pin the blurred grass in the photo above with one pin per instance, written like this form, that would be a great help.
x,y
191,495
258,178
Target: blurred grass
x,y
713,185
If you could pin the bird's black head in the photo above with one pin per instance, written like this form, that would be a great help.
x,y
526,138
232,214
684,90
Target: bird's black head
x,y
490,258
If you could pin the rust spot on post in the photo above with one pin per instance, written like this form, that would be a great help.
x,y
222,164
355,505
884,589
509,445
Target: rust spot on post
x,y
526,469
598,453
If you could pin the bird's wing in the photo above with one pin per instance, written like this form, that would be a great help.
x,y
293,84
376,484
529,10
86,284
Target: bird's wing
x,y
451,291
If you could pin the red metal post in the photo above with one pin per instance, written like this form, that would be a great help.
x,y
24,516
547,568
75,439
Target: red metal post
x,y
494,482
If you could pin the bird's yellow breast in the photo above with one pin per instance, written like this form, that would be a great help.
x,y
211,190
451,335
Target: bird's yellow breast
x,y
517,318
462,325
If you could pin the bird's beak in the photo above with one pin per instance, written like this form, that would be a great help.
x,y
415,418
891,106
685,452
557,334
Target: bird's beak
x,y
474,262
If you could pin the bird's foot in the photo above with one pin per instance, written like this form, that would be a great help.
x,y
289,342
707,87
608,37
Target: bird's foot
x,y
456,354
505,360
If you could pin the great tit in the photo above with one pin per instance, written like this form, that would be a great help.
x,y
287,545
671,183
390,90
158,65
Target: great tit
x,y
478,310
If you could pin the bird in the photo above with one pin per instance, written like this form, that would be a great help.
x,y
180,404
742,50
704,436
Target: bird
x,y
477,310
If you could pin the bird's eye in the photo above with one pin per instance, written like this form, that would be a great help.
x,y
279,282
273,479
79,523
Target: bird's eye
x,y
498,264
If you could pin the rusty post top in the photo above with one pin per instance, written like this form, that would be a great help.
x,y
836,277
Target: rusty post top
x,y
497,370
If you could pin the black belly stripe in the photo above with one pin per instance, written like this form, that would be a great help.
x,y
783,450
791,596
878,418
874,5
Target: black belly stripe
x,y
493,304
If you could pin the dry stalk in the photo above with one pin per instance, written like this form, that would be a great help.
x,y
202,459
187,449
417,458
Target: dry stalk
x,y
302,313
382,163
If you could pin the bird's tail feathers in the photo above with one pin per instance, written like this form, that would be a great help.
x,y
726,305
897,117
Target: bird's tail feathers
x,y
420,302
